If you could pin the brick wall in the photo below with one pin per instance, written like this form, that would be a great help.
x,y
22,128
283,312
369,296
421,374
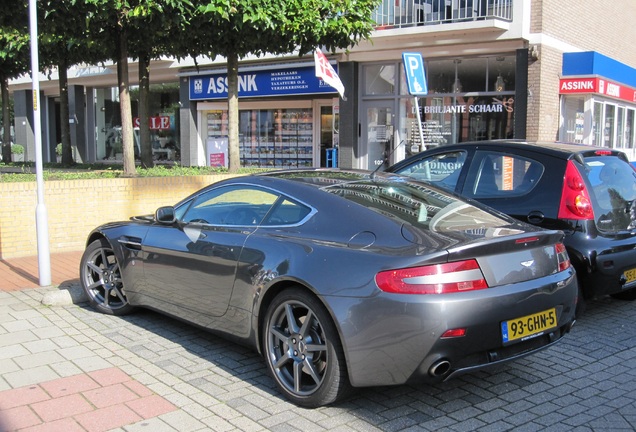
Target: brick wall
x,y
543,100
591,25
75,207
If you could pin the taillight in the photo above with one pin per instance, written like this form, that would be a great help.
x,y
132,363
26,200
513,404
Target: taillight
x,y
603,152
444,278
575,200
563,258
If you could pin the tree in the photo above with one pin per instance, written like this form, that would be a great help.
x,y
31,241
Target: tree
x,y
154,25
63,43
236,28
108,29
136,24
14,59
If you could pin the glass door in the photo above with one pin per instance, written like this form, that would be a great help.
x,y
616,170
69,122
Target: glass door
x,y
326,133
377,134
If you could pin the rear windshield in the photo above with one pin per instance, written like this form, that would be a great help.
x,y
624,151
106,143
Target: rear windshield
x,y
418,205
613,192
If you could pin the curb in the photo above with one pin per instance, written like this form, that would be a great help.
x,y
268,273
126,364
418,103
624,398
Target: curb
x,y
65,296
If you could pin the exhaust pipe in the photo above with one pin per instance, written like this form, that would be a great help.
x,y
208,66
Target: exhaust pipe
x,y
440,368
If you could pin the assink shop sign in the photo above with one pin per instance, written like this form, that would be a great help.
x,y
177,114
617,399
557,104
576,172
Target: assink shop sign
x,y
597,85
297,80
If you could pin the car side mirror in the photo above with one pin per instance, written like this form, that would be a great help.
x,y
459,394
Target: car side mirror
x,y
165,215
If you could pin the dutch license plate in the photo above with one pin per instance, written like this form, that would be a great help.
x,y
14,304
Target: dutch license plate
x,y
529,326
630,276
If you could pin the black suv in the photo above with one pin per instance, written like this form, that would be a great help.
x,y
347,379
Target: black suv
x,y
587,192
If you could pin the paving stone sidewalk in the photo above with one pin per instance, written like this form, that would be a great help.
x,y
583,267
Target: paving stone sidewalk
x,y
70,368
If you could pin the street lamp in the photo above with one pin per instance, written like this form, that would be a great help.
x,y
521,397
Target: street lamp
x,y
41,220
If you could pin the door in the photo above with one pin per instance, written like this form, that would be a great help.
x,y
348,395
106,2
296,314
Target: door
x,y
326,134
378,118
193,263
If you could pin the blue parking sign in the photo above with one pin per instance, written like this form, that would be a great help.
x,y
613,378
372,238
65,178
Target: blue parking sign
x,y
415,76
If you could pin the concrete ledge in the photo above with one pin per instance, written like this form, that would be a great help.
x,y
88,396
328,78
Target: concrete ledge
x,y
65,296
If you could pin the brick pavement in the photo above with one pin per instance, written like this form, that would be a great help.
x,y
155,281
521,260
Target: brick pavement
x,y
22,273
199,382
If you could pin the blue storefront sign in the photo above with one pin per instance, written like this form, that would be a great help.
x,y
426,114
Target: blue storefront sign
x,y
298,80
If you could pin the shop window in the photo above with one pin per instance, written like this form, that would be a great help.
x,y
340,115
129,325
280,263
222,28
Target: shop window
x,y
501,73
379,79
457,119
440,75
573,128
471,75
629,129
620,128
492,74
597,125
609,125
275,138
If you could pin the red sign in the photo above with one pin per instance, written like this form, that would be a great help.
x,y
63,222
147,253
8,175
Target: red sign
x,y
155,122
217,159
597,85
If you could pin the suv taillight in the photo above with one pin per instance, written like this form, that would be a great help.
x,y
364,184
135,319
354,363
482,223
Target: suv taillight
x,y
444,278
575,200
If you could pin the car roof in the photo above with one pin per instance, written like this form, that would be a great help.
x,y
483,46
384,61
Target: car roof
x,y
558,149
321,177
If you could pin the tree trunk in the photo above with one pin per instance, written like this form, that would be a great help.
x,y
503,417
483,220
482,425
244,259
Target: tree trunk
x,y
6,121
234,160
125,107
144,111
67,151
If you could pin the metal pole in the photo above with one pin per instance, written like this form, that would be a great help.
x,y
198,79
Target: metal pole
x,y
41,220
419,123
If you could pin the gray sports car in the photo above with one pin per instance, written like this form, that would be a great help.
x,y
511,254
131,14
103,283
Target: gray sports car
x,y
341,279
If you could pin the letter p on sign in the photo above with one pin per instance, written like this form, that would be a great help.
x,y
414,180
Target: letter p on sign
x,y
415,76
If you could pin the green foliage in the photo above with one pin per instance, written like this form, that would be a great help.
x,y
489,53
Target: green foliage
x,y
100,171
17,149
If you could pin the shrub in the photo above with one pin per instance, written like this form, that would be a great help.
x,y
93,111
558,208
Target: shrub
x,y
17,149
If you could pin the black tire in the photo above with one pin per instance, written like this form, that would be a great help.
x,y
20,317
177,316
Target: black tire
x,y
303,351
581,304
629,295
100,276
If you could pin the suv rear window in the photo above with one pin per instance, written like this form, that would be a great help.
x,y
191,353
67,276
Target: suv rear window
x,y
613,192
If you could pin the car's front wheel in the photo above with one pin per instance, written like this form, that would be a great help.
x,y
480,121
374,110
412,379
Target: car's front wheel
x,y
100,276
303,350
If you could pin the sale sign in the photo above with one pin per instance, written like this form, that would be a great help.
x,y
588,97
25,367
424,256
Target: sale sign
x,y
155,122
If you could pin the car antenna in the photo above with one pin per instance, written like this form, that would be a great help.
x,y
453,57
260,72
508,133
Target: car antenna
x,y
372,176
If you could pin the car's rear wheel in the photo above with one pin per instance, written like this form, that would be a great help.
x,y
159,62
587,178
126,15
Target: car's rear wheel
x,y
100,276
303,351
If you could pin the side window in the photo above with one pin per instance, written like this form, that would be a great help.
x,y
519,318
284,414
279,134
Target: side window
x,y
287,212
232,205
496,175
441,169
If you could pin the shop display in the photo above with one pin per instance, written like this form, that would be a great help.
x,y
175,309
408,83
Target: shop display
x,y
279,138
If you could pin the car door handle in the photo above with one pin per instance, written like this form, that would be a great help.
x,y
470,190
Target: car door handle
x,y
535,217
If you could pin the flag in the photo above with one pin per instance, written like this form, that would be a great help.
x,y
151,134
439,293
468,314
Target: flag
x,y
326,72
